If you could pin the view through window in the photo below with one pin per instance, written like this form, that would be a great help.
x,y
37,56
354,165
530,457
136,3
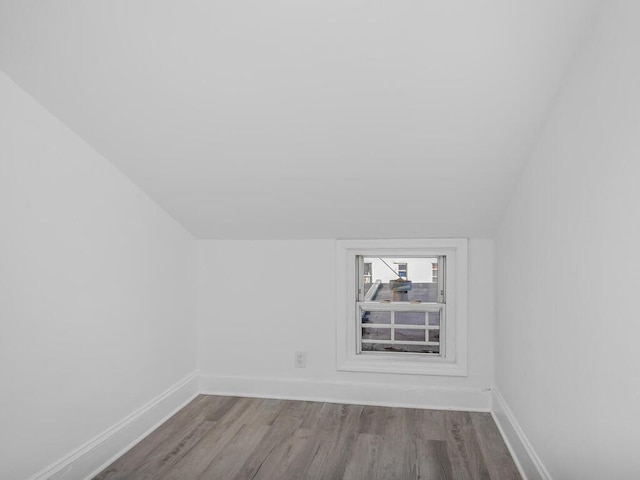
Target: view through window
x,y
401,305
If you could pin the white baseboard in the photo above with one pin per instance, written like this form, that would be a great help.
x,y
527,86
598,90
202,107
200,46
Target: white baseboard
x,y
478,400
95,455
527,460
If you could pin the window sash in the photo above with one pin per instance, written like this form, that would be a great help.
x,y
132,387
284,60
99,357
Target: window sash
x,y
393,307
440,279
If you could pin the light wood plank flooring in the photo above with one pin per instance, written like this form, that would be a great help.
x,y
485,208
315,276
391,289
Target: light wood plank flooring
x,y
220,438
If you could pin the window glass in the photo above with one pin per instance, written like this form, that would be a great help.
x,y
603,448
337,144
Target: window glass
x,y
396,307
400,279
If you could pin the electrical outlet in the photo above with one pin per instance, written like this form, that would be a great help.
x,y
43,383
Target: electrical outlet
x,y
301,360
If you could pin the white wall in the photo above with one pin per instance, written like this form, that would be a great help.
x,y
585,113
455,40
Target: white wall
x,y
568,351
97,291
250,326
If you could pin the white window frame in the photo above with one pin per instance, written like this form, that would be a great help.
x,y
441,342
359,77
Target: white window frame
x,y
454,360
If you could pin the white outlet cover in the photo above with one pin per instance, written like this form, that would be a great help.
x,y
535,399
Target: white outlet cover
x,y
300,360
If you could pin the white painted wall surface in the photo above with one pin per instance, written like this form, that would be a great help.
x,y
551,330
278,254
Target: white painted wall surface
x,y
97,304
251,325
568,354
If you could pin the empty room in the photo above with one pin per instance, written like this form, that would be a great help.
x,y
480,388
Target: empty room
x,y
305,239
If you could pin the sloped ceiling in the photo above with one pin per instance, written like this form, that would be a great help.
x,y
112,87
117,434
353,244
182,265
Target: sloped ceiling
x,y
304,119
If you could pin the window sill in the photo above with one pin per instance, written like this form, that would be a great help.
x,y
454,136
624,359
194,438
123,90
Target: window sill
x,y
400,364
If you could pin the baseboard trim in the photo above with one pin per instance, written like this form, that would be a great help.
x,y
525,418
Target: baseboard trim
x,y
89,459
525,457
465,399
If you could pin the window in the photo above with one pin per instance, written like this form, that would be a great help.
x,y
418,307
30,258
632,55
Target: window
x,y
402,270
398,314
402,306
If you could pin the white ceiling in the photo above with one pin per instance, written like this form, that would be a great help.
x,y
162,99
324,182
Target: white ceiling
x,y
304,119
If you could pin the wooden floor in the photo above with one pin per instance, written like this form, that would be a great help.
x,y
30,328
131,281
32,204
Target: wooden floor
x,y
247,438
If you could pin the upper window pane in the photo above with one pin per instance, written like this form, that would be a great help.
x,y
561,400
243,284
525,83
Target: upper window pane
x,y
401,279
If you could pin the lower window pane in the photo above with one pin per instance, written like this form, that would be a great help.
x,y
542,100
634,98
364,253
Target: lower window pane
x,y
434,318
385,347
376,317
410,334
434,335
409,318
376,334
